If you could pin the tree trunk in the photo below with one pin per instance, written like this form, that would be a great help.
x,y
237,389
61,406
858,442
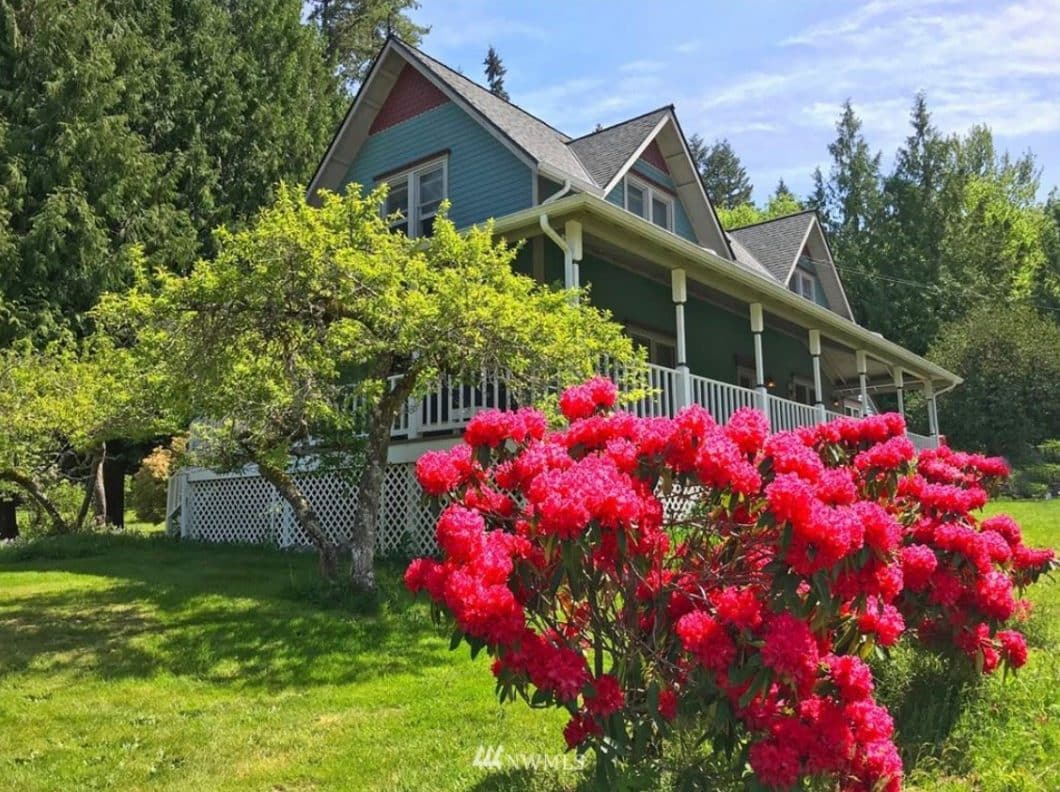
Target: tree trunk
x,y
8,517
35,492
100,491
114,491
307,518
370,486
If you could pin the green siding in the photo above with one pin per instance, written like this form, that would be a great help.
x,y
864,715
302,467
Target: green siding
x,y
682,225
715,336
485,178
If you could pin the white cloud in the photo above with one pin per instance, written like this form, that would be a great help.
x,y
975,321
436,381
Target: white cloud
x,y
996,64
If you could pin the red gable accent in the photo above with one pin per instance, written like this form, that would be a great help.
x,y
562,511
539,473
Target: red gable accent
x,y
412,95
653,156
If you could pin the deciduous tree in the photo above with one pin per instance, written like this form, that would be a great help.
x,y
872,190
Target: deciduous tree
x,y
309,307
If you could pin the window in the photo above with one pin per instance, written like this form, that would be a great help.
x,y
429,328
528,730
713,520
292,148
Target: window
x,y
801,390
662,349
806,285
415,196
649,202
745,377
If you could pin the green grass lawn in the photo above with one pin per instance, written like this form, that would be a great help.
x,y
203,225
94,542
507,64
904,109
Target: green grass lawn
x,y
137,662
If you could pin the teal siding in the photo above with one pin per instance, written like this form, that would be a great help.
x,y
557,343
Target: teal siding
x,y
617,196
682,225
485,178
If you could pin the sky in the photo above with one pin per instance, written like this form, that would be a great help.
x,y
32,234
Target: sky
x,y
771,76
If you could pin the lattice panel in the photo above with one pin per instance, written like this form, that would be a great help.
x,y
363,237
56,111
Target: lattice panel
x,y
233,509
248,509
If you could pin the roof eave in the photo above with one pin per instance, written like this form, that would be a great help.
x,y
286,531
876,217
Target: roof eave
x,y
890,352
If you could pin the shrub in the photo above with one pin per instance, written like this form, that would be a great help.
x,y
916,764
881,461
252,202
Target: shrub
x,y
147,491
659,578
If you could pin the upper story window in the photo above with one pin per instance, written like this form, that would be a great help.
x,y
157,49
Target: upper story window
x,y
806,285
415,196
650,202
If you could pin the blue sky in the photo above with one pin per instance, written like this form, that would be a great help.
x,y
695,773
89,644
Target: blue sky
x,y
770,76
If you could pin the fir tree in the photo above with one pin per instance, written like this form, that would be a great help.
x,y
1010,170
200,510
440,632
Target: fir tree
x,y
495,71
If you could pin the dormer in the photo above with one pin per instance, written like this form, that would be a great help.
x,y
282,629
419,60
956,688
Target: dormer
x,y
794,250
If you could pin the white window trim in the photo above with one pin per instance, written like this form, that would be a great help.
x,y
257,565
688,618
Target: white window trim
x,y
414,218
654,339
802,279
650,194
797,381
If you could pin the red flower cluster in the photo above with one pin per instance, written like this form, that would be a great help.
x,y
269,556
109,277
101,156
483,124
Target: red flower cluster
x,y
628,570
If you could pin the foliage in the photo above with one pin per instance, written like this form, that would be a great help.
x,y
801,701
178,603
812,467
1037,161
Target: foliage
x,y
149,486
495,71
724,177
60,405
355,30
739,618
147,124
955,224
310,309
1010,360
782,203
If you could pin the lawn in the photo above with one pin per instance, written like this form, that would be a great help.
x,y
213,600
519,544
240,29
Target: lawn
x,y
137,662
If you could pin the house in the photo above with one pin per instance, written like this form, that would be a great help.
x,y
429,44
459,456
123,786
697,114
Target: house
x,y
755,316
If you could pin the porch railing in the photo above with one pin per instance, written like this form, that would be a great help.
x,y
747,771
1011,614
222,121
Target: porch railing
x,y
448,405
785,415
720,398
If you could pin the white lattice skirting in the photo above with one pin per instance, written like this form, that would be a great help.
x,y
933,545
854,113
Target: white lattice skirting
x,y
243,507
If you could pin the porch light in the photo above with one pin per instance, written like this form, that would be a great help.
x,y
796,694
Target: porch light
x,y
770,382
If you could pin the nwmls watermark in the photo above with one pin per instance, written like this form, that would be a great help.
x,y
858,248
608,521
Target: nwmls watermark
x,y
497,757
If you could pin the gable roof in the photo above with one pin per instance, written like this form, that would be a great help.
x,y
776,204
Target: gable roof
x,y
777,243
586,162
605,153
542,142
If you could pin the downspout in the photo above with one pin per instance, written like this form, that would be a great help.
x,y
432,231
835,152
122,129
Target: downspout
x,y
561,243
558,194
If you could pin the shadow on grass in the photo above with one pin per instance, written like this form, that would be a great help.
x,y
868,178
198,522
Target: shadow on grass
x,y
244,616
926,695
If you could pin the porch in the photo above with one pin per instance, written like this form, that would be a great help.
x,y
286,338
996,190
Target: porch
x,y
659,391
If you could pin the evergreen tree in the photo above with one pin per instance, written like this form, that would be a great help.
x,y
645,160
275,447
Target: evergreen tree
x,y
142,124
354,30
495,71
724,177
782,192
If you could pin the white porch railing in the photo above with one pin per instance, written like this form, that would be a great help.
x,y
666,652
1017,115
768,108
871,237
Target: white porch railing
x,y
785,415
720,398
449,405
921,441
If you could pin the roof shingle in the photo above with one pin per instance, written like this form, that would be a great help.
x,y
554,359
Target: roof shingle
x,y
775,243
604,153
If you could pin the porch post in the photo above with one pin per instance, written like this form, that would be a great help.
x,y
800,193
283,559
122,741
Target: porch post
x,y
818,391
899,389
757,326
573,232
932,411
863,380
679,290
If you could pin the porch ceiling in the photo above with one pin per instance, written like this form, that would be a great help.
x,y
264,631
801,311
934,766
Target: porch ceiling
x,y
634,242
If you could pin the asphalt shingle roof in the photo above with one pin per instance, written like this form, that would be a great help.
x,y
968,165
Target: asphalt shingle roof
x,y
604,153
775,243
542,142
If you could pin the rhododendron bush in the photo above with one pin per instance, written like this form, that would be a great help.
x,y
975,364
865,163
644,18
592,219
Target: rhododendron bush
x,y
659,575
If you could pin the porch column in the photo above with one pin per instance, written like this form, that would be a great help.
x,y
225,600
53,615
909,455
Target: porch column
x,y
757,326
573,232
679,290
818,391
899,389
863,379
932,411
